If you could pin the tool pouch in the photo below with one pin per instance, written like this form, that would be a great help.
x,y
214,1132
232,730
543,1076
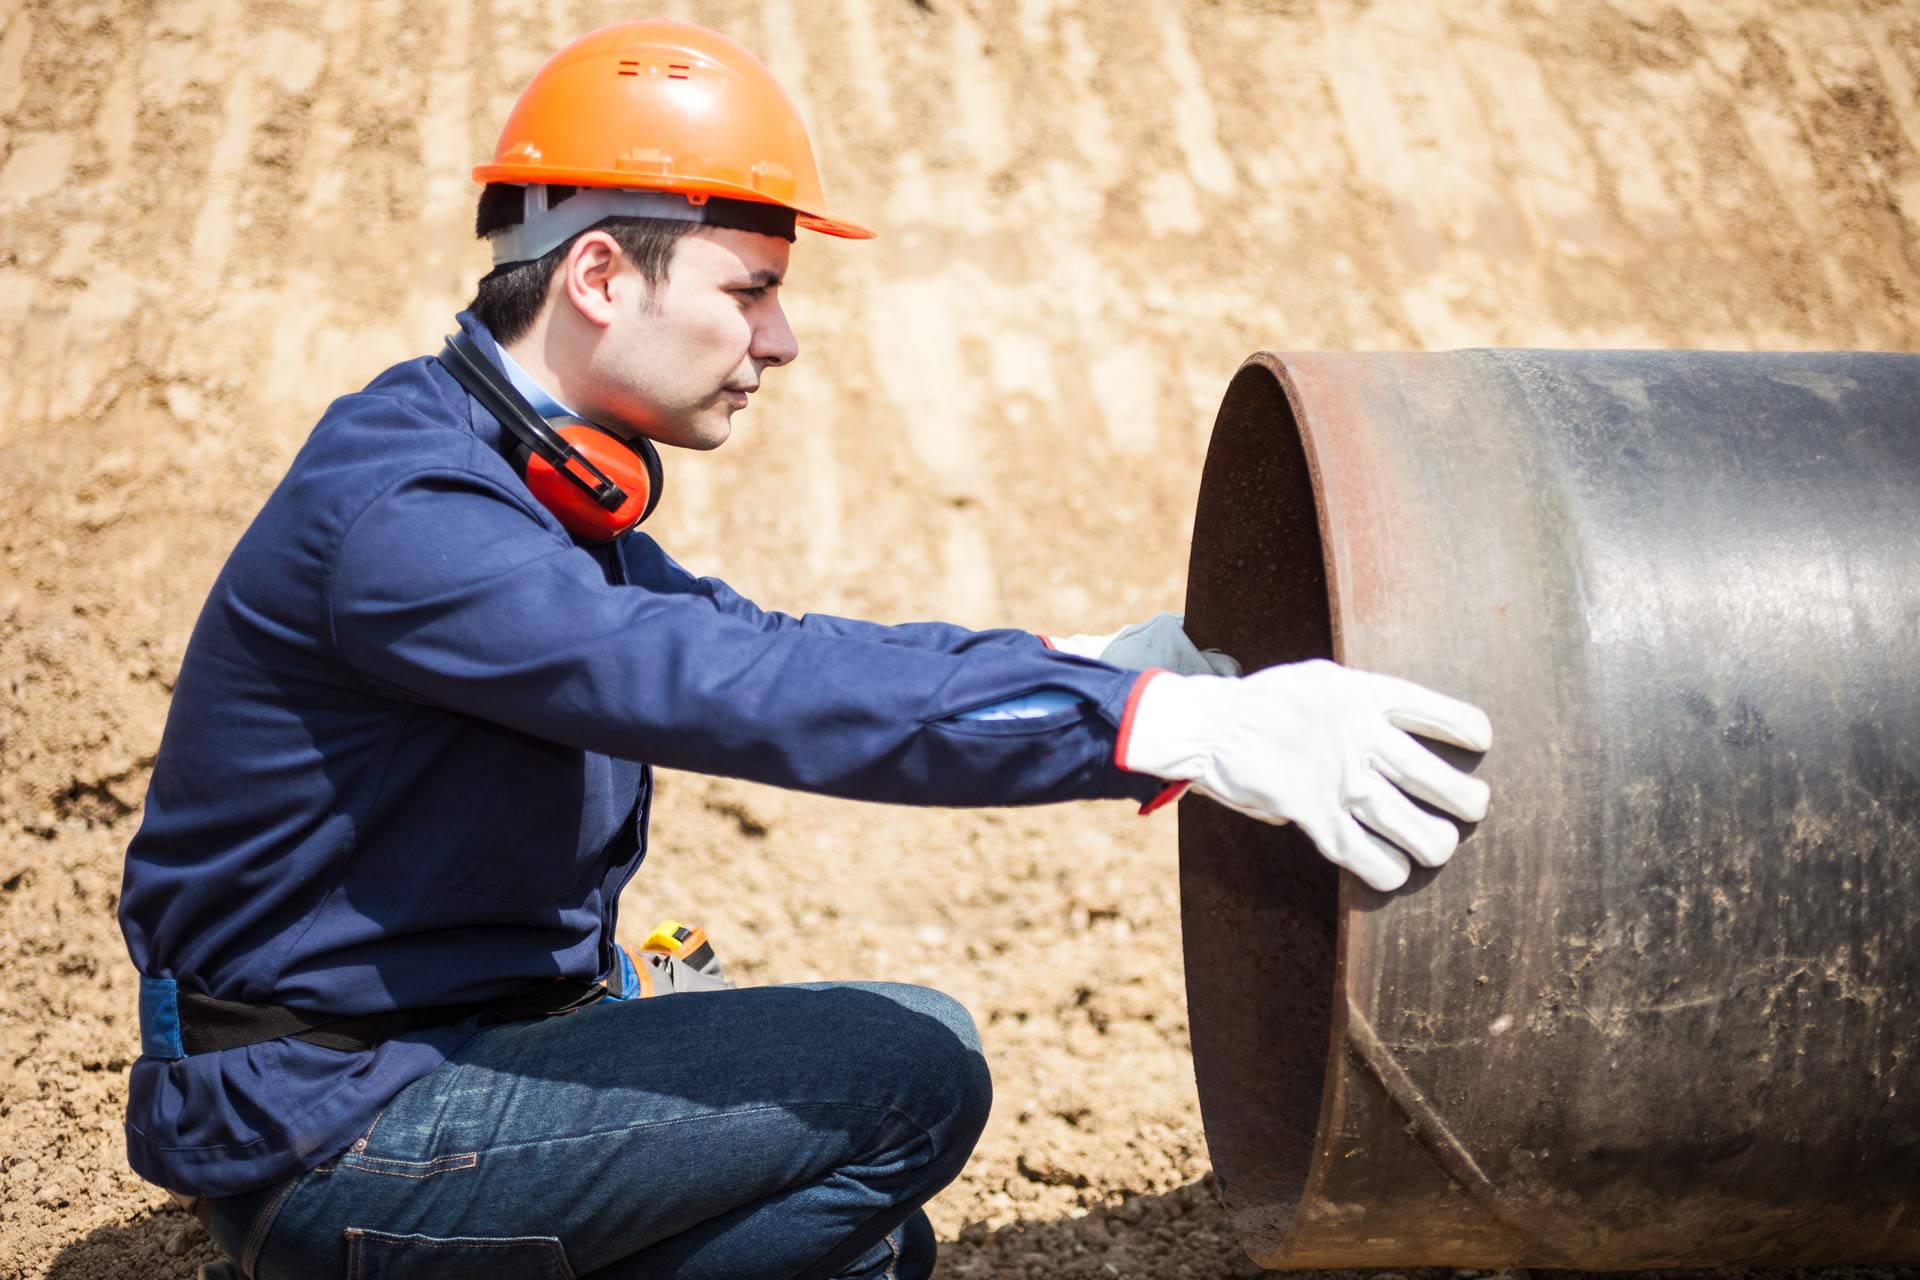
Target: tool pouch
x,y
674,959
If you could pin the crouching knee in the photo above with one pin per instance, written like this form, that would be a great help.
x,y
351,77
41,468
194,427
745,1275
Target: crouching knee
x,y
935,1049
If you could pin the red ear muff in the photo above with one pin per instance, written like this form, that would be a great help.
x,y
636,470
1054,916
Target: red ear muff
x,y
597,485
633,465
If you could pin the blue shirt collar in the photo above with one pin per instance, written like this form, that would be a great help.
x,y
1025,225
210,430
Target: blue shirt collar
x,y
543,401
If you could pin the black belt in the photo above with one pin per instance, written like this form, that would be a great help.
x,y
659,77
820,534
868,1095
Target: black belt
x,y
208,1025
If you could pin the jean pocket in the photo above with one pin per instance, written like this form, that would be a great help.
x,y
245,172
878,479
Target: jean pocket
x,y
376,1255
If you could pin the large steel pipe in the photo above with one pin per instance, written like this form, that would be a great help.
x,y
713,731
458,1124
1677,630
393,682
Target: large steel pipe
x,y
1663,1007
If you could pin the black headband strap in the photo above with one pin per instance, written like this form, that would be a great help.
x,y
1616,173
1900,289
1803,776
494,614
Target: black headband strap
x,y
551,215
746,215
472,370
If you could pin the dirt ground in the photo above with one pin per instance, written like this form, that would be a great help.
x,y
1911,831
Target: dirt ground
x,y
216,215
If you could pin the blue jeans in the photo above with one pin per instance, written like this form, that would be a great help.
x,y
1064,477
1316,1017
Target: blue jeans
x,y
788,1132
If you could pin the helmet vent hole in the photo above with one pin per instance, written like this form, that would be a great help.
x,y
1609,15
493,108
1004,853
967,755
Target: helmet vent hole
x,y
678,70
629,67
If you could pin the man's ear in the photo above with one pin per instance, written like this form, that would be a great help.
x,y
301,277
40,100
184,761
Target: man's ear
x,y
587,275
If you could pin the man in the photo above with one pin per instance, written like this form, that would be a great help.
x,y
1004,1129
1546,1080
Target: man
x,y
405,775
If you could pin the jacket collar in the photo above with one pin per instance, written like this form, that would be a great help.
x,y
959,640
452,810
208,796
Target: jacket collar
x,y
544,402
479,421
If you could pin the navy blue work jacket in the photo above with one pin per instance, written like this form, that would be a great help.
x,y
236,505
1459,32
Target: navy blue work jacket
x,y
407,761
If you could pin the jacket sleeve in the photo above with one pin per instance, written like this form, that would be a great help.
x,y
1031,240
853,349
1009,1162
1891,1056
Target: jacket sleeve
x,y
447,589
649,565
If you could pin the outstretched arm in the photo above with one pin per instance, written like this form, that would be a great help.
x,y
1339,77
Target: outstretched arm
x,y
445,589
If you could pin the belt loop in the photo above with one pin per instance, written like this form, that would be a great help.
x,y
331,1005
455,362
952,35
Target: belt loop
x,y
160,1018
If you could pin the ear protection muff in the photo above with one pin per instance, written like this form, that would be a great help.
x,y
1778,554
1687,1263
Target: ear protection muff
x,y
633,468
597,485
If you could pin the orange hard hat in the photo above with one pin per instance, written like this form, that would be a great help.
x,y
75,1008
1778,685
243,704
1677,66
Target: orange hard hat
x,y
664,107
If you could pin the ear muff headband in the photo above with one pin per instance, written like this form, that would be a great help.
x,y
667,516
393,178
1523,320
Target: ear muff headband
x,y
585,475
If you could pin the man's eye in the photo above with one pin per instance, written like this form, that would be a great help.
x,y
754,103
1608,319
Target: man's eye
x,y
754,294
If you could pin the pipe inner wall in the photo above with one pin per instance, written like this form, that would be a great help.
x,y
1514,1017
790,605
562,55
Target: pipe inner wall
x,y
1259,906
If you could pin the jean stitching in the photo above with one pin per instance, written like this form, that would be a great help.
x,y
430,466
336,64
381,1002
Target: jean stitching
x,y
410,1169
461,1242
909,1121
358,1235
257,1238
358,1143
565,1264
465,1156
929,1140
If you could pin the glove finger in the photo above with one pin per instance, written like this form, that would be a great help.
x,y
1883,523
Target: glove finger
x,y
1179,655
1374,860
1343,842
1166,647
1419,772
1431,840
1421,710
1219,663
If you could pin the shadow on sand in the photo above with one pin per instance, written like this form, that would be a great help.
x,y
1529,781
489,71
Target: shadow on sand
x,y
1176,1235
152,1244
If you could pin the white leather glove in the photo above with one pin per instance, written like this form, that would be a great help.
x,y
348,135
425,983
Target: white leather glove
x,y
1320,745
1160,641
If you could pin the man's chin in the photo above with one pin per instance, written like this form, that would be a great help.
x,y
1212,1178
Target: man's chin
x,y
701,434
711,435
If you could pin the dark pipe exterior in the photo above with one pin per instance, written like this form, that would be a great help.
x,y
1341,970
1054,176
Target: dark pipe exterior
x,y
1663,1007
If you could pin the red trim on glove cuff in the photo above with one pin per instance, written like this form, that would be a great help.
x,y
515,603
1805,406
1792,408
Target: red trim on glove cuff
x,y
1174,789
1126,716
1047,641
1173,792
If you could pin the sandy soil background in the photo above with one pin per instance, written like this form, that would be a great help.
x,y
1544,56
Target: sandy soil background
x,y
216,215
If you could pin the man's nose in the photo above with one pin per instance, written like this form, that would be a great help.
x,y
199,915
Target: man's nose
x,y
773,341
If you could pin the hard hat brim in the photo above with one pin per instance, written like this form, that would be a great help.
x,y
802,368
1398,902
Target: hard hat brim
x,y
835,227
529,174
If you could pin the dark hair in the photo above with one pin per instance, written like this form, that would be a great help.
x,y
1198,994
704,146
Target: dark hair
x,y
509,297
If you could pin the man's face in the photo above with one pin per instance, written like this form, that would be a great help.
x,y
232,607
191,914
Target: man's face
x,y
680,358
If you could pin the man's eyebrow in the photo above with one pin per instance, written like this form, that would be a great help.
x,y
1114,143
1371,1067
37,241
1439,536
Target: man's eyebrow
x,y
764,278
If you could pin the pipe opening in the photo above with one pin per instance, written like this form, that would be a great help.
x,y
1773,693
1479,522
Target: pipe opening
x,y
1259,905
